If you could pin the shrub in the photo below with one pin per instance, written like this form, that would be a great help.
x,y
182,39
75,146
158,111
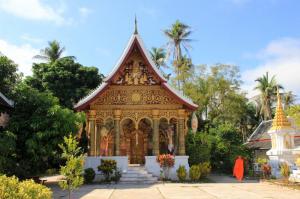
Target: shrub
x,y
117,176
11,188
51,171
205,169
89,175
107,167
198,147
181,173
195,173
285,170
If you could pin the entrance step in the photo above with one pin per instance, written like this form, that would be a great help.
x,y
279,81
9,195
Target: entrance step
x,y
137,174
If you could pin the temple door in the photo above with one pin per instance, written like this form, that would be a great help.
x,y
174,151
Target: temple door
x,y
137,148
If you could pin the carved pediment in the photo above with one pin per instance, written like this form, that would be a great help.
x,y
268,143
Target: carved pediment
x,y
135,71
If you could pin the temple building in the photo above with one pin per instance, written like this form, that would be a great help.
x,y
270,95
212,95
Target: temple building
x,y
135,113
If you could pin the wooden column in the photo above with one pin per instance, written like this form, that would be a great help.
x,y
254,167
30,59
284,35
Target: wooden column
x,y
92,123
155,132
181,136
117,116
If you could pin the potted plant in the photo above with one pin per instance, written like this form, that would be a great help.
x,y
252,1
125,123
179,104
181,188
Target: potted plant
x,y
166,162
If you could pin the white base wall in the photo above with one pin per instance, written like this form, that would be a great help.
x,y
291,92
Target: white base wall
x,y
278,157
153,167
94,162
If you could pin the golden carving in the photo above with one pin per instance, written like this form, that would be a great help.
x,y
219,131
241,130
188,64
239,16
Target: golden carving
x,y
135,72
138,95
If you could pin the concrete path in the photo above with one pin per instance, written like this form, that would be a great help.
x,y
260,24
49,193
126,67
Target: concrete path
x,y
225,190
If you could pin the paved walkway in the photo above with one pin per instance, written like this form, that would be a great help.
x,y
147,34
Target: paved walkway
x,y
184,191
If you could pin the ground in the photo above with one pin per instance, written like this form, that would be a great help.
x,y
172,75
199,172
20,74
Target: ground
x,y
224,187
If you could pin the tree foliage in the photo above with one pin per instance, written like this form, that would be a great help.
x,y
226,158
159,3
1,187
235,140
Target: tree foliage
x,y
8,75
39,124
267,88
53,52
68,80
73,169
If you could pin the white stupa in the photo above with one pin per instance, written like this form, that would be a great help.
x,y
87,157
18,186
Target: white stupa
x,y
282,135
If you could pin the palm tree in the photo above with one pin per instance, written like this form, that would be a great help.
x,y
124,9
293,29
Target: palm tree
x,y
289,99
52,53
267,88
178,36
158,56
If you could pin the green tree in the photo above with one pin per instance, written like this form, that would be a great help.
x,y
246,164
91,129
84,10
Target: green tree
x,y
52,52
294,113
8,75
68,80
39,124
158,56
178,36
7,152
73,169
288,99
267,87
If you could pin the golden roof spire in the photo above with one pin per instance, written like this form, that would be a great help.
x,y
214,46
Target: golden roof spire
x,y
280,121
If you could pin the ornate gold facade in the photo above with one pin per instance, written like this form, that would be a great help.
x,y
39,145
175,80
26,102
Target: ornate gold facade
x,y
135,113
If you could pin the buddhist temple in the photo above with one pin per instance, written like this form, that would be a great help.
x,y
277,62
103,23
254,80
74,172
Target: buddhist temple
x,y
135,113
282,134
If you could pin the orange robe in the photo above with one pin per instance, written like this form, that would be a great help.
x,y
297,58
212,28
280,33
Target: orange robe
x,y
238,170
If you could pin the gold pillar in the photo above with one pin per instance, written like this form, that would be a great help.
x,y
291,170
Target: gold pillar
x,y
181,136
98,137
117,116
92,121
155,132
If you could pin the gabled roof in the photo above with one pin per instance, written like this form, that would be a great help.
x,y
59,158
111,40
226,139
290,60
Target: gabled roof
x,y
135,39
5,101
260,138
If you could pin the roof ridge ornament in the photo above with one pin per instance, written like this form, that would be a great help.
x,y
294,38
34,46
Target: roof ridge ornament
x,y
135,26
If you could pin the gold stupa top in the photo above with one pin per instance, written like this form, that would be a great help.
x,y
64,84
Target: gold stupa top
x,y
280,121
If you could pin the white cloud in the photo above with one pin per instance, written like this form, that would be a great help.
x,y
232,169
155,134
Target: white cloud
x,y
34,10
280,58
84,12
31,39
21,55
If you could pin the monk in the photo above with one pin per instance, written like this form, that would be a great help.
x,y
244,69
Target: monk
x,y
238,170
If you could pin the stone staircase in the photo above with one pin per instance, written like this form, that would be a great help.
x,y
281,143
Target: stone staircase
x,y
137,174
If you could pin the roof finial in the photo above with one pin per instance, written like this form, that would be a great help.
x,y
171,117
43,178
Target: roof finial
x,y
135,26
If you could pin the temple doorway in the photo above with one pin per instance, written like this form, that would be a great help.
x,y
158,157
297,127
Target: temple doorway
x,y
136,140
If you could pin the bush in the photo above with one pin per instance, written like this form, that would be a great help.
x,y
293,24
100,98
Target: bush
x,y
181,173
51,171
89,175
117,176
285,170
205,169
198,147
11,188
107,167
195,173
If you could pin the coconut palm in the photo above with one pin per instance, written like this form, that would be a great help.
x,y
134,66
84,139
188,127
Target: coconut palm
x,y
52,53
178,36
267,88
289,99
158,56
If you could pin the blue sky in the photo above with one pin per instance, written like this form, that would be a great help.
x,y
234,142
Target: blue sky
x,y
256,35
